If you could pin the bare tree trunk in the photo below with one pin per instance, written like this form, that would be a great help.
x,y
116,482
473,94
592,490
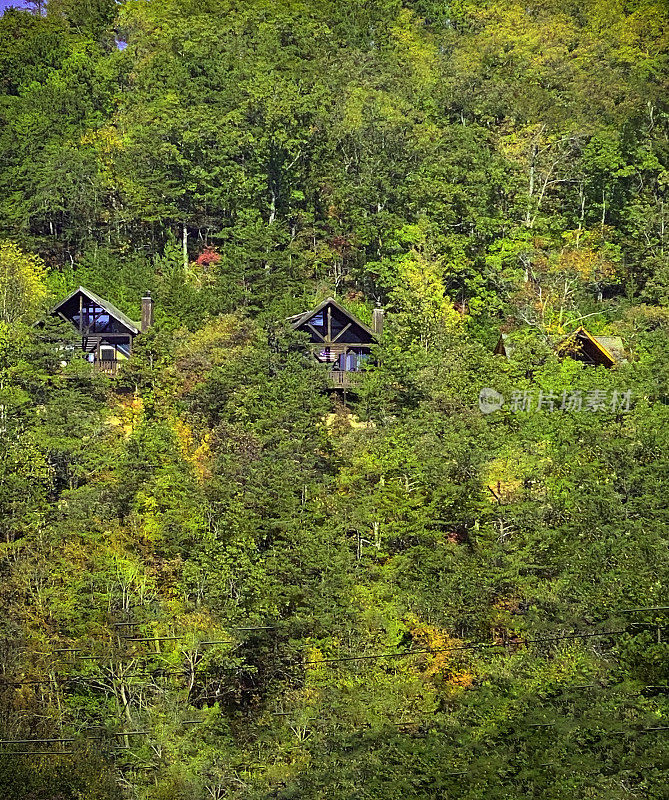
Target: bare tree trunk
x,y
662,227
581,218
184,245
530,190
272,206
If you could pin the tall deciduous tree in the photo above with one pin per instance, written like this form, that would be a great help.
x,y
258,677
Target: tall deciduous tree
x,y
22,284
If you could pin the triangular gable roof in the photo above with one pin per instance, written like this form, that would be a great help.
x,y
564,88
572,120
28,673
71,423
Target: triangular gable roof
x,y
613,345
611,348
596,341
108,307
503,347
301,319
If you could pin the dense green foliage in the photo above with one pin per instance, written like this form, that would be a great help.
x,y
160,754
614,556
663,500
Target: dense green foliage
x,y
219,582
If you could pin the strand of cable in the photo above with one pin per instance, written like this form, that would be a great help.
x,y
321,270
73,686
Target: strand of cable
x,y
471,646
324,719
270,627
639,731
341,659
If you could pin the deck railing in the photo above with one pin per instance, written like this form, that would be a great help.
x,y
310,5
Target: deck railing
x,y
109,368
341,379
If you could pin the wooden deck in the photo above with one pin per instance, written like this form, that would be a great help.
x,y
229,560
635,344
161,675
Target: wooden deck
x,y
345,380
109,368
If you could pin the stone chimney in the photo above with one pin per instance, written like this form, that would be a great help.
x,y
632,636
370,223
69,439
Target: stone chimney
x,y
377,321
147,311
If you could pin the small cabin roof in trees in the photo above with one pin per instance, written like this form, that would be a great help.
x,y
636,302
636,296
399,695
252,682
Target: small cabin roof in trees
x,y
337,337
581,345
605,351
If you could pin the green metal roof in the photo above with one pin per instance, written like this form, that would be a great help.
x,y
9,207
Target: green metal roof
x,y
108,307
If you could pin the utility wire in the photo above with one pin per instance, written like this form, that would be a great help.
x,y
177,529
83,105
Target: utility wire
x,y
408,722
341,659
472,645
151,638
137,639
268,627
37,753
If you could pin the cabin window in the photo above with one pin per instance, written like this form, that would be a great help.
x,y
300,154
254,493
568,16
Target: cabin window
x,y
355,334
355,360
95,319
337,324
318,320
107,353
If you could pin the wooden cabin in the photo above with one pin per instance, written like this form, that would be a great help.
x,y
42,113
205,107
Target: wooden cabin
x,y
338,338
598,351
106,333
581,345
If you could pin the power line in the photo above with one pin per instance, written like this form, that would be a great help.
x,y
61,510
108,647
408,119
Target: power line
x,y
142,639
218,641
472,645
151,638
641,730
254,628
398,723
555,764
71,739
340,659
347,658
158,673
38,753
29,741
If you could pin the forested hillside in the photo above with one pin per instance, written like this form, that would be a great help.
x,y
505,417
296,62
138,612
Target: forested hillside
x,y
220,580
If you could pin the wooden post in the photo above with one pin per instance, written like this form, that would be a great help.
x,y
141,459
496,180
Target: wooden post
x,y
147,312
377,321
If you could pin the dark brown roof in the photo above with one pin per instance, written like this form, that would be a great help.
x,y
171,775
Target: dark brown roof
x,y
301,319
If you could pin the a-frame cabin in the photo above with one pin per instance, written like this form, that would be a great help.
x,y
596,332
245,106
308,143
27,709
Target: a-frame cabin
x,y
598,351
581,345
340,339
106,332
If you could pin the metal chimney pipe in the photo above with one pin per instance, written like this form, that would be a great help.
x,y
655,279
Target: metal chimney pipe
x,y
377,321
147,312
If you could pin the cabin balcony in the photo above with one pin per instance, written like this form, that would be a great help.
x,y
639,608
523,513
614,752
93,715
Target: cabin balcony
x,y
343,379
109,368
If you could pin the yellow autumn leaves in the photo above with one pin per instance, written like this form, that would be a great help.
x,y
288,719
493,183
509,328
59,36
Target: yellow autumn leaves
x,y
22,284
